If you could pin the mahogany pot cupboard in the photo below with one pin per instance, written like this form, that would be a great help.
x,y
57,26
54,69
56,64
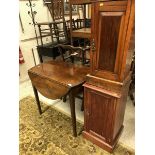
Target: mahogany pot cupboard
x,y
106,87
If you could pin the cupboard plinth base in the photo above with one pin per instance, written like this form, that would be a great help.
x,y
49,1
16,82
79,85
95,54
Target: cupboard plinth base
x,y
102,144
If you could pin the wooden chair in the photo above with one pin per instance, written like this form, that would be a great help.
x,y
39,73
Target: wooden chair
x,y
57,35
57,30
79,24
68,26
77,53
56,79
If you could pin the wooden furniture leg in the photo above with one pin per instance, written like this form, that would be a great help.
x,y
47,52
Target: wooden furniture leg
x,y
41,59
64,98
73,115
37,99
82,106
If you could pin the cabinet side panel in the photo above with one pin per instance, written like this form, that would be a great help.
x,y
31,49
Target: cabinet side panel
x,y
130,53
86,109
129,41
120,110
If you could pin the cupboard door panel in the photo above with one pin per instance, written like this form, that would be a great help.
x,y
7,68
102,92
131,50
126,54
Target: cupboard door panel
x,y
110,31
99,116
109,25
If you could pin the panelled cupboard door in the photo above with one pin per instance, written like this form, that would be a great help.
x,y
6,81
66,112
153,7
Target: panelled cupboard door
x,y
109,27
99,114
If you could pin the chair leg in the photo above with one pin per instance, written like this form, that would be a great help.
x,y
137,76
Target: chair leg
x,y
37,100
73,115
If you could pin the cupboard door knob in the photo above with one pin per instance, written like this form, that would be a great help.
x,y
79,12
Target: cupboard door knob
x,y
93,48
87,112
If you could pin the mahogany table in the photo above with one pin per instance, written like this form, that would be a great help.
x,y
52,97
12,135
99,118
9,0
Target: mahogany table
x,y
55,79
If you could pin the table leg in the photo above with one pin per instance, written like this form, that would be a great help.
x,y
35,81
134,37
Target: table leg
x,y
64,98
82,106
41,58
73,116
37,99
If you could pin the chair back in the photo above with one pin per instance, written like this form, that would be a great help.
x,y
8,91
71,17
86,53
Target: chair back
x,y
58,27
82,23
56,9
73,53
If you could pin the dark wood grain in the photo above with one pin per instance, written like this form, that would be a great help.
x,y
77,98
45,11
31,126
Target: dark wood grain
x,y
115,3
48,88
109,30
104,114
112,8
62,73
109,27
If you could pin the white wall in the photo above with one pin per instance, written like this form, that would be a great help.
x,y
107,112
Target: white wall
x,y
27,38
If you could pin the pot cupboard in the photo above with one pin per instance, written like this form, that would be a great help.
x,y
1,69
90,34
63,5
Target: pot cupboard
x,y
106,87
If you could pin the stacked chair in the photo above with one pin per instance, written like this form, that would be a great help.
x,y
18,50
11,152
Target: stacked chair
x,y
56,30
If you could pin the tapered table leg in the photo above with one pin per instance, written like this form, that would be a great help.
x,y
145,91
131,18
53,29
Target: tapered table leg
x,y
73,115
82,106
37,99
41,58
64,98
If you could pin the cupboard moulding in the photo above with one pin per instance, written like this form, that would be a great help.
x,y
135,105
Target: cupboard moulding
x,y
107,84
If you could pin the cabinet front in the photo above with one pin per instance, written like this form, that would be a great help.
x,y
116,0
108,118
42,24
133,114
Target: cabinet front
x,y
99,114
108,35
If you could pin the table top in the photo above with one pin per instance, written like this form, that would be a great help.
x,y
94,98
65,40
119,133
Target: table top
x,y
82,33
64,73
